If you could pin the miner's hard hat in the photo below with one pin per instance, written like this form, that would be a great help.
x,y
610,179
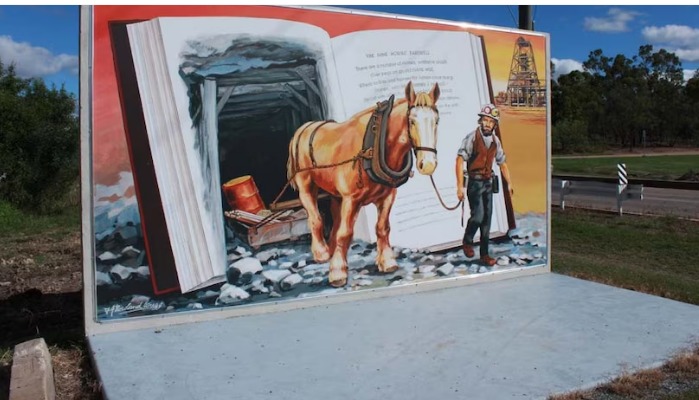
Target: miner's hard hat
x,y
489,110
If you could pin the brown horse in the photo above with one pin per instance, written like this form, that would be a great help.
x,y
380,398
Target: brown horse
x,y
412,125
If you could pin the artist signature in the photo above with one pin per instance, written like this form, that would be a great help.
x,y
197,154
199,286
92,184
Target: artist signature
x,y
130,308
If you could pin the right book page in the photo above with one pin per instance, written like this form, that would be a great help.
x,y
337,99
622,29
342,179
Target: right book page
x,y
376,64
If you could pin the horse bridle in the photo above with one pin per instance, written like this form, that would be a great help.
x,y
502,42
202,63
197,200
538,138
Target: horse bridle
x,y
412,144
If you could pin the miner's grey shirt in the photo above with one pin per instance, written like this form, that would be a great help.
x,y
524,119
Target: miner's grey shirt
x,y
466,148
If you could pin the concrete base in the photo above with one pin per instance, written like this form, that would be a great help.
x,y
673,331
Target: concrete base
x,y
516,338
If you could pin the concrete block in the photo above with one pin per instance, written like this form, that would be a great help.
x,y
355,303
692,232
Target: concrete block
x,y
32,372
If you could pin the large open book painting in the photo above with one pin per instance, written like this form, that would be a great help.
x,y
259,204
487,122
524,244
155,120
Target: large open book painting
x,y
271,155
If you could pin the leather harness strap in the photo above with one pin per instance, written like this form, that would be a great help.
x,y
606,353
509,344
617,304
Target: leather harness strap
x,y
310,142
375,141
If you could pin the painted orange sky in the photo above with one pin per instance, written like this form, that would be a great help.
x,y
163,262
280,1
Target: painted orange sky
x,y
521,138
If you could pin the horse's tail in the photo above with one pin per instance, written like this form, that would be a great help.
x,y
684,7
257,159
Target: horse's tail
x,y
293,154
290,172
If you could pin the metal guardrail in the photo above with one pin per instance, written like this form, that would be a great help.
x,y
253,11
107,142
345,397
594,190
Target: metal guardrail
x,y
655,183
598,189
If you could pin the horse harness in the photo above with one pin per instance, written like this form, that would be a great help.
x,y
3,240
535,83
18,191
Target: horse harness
x,y
373,152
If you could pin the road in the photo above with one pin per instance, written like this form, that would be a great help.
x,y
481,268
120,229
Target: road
x,y
656,201
651,152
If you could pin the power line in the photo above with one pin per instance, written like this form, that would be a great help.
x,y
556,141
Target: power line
x,y
513,16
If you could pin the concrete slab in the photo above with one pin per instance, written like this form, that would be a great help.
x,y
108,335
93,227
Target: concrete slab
x,y
516,338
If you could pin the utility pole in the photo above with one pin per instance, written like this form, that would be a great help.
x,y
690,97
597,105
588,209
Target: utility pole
x,y
525,18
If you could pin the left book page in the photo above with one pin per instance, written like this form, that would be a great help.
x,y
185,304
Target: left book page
x,y
179,63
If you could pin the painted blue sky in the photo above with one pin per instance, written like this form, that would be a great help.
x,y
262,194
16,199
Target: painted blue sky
x,y
42,41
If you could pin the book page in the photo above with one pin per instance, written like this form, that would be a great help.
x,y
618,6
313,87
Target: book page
x,y
199,52
376,64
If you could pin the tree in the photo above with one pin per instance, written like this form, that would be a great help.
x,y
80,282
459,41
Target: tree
x,y
39,142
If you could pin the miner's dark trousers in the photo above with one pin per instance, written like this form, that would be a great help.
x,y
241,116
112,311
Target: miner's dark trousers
x,y
480,200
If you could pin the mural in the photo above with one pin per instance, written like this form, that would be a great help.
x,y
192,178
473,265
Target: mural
x,y
243,155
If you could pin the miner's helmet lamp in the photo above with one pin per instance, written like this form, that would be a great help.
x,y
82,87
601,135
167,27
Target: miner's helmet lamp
x,y
489,110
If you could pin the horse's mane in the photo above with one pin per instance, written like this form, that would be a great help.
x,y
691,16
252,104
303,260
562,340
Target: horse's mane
x,y
422,99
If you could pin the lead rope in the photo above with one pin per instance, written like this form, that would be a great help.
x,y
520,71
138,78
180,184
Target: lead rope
x,y
355,160
460,203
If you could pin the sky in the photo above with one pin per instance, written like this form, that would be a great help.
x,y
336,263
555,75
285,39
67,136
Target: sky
x,y
42,41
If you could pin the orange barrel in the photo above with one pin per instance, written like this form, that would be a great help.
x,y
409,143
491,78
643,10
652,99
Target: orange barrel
x,y
242,194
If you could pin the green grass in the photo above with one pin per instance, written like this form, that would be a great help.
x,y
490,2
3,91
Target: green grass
x,y
690,395
15,222
653,255
653,167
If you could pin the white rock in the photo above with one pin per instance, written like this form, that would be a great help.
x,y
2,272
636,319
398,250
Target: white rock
x,y
248,265
274,294
290,281
265,256
425,269
240,250
170,308
309,274
286,265
427,258
276,275
301,264
261,289
527,257
482,270
121,271
273,263
288,252
445,269
107,256
195,306
130,251
538,255
233,257
143,271
503,260
317,280
519,261
207,294
354,258
232,294
429,275
101,278
363,282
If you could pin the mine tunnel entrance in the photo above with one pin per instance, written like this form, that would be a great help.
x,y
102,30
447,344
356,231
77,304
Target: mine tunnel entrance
x,y
259,112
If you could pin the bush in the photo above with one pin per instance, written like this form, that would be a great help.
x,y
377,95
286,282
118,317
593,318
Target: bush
x,y
570,137
39,143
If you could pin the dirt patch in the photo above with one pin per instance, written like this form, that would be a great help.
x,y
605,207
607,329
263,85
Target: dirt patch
x,y
40,296
49,263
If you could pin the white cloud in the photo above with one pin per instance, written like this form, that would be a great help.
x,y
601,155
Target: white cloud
x,y
565,66
688,74
32,61
680,35
616,21
680,39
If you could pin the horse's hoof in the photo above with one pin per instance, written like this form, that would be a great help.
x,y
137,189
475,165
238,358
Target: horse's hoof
x,y
388,267
338,283
388,270
337,277
321,255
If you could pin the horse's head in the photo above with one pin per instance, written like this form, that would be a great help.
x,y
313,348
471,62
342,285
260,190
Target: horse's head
x,y
423,118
